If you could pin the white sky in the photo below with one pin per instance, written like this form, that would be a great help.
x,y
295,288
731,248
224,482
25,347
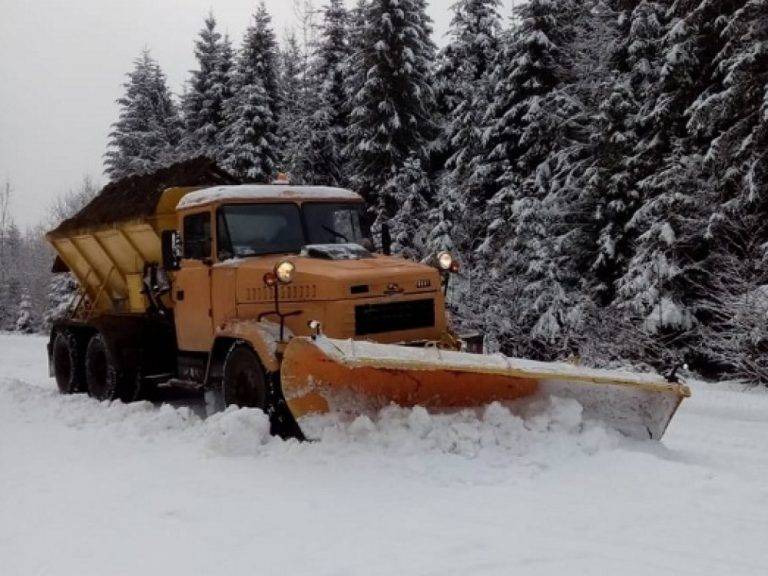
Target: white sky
x,y
62,65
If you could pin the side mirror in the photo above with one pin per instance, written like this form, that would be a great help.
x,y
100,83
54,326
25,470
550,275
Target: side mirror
x,y
170,249
386,239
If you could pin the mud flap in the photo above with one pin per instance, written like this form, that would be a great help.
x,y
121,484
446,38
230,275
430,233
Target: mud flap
x,y
349,376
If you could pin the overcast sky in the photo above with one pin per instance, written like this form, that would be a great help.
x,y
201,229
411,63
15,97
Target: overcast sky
x,y
62,64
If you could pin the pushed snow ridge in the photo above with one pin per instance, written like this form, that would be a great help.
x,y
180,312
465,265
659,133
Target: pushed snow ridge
x,y
541,430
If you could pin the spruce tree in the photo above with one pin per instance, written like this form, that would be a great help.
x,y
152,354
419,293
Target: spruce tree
x,y
251,144
292,122
148,131
729,117
329,119
393,106
209,88
535,150
411,188
665,279
529,67
466,64
729,123
11,284
24,320
612,179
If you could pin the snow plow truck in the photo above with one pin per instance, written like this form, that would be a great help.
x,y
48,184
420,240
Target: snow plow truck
x,y
272,296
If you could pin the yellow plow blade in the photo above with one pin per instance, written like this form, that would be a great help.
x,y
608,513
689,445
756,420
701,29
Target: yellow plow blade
x,y
326,375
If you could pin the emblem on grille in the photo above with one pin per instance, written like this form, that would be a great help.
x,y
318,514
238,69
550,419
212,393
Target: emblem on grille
x,y
393,288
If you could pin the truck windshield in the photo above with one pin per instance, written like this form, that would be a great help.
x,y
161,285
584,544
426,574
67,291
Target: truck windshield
x,y
333,223
256,229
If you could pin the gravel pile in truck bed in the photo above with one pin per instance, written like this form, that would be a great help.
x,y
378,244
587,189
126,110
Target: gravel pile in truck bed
x,y
137,196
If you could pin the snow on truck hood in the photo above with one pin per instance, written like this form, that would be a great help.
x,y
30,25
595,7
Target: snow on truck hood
x,y
262,192
336,252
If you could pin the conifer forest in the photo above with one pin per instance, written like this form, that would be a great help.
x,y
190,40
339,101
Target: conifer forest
x,y
598,167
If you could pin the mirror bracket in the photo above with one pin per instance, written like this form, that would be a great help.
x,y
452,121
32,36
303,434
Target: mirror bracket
x,y
170,249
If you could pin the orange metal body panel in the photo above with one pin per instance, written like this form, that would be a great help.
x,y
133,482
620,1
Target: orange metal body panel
x,y
192,295
235,291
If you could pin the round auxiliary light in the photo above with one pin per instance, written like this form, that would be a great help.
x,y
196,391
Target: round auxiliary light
x,y
444,261
285,271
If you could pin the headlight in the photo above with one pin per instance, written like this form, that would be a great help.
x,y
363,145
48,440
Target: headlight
x,y
444,261
285,271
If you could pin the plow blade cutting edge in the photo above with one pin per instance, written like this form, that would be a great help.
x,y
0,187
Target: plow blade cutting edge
x,y
326,375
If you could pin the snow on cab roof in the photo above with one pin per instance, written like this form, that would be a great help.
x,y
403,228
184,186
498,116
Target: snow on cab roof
x,y
265,192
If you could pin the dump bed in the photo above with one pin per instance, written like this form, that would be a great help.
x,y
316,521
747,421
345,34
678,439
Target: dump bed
x,y
110,241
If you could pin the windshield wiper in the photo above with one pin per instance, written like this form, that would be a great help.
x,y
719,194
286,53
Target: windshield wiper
x,y
336,234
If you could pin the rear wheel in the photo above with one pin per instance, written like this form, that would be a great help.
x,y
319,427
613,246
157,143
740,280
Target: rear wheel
x,y
106,381
68,363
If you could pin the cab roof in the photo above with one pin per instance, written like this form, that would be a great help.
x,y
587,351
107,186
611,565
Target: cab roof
x,y
265,192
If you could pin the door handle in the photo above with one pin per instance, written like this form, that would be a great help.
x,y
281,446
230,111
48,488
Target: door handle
x,y
179,295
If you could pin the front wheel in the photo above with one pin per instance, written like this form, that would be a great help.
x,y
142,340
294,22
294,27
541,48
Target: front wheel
x,y
246,384
244,379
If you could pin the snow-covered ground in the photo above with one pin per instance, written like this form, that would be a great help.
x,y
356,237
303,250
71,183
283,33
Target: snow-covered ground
x,y
98,489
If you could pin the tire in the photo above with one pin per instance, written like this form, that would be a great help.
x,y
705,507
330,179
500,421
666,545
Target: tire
x,y
244,381
246,384
68,363
105,379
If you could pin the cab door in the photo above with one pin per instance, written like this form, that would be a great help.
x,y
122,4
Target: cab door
x,y
192,288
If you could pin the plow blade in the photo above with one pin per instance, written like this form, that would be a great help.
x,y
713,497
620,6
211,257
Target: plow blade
x,y
325,375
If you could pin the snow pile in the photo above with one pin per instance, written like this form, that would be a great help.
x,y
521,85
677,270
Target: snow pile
x,y
541,432
136,420
539,429
237,432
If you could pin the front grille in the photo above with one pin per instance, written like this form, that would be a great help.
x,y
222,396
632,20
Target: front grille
x,y
378,318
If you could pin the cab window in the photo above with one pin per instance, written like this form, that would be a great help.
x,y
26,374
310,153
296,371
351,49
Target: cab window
x,y
197,236
334,223
256,229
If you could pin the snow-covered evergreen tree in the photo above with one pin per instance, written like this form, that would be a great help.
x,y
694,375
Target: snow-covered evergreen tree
x,y
411,188
11,281
664,279
612,179
530,66
328,117
6,227
730,115
251,148
148,131
466,64
209,89
735,306
393,106
293,124
535,144
24,320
